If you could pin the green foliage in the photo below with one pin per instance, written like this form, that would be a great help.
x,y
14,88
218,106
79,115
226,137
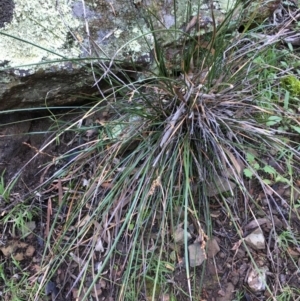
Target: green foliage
x,y
280,104
5,190
239,295
268,173
292,84
287,239
288,293
19,216
272,120
16,287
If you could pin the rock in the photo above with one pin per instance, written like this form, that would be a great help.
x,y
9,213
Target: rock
x,y
257,222
226,294
30,251
46,47
6,11
257,279
27,228
44,44
212,248
196,254
51,288
256,239
179,234
219,186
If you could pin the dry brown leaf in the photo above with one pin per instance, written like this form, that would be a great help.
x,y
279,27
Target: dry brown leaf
x,y
236,245
18,256
257,222
237,164
215,214
36,268
11,246
192,23
293,252
102,283
169,266
77,259
97,291
30,251
84,221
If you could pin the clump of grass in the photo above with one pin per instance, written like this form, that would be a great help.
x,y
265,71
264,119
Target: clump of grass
x,y
5,190
153,164
162,155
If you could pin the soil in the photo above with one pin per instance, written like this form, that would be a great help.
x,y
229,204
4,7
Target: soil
x,y
22,135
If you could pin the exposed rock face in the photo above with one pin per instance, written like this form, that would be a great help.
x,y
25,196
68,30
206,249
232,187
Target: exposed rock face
x,y
44,88
46,46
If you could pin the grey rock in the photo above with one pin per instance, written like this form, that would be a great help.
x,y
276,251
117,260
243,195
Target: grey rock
x,y
179,234
46,48
6,11
256,239
212,248
226,294
220,185
196,254
257,279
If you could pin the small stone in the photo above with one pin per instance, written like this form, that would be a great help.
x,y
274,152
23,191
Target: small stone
x,y
235,279
222,255
18,256
179,234
219,186
196,255
256,239
277,222
27,228
226,294
50,288
240,253
30,251
211,267
257,279
212,248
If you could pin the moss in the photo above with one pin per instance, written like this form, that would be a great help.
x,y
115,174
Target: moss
x,y
150,286
292,84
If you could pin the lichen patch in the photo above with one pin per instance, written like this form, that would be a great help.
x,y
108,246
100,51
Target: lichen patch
x,y
38,32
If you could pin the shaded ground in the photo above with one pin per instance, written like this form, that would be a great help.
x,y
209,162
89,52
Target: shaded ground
x,y
22,135
224,275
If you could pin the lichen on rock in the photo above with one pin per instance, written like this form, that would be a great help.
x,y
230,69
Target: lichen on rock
x,y
46,27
